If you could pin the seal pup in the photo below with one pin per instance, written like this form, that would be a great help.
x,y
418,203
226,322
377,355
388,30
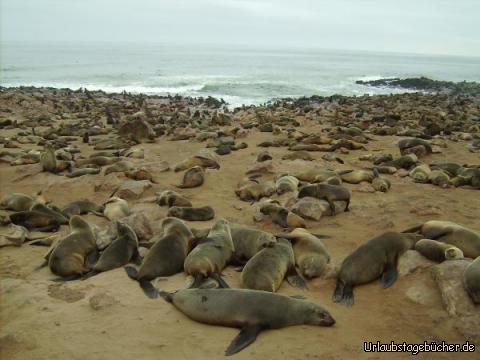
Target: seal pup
x,y
35,220
166,257
471,279
211,255
192,213
252,190
82,207
119,253
267,269
464,238
171,198
83,171
286,183
380,183
373,259
327,192
282,216
250,310
48,159
357,176
311,255
67,259
438,251
193,177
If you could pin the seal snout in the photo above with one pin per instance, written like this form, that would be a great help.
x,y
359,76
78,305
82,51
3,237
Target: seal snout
x,y
326,319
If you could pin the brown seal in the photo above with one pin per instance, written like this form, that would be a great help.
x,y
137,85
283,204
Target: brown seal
x,y
81,207
116,208
438,251
211,255
267,269
20,202
327,192
193,177
373,259
119,253
249,241
165,257
68,257
171,198
464,238
189,213
250,310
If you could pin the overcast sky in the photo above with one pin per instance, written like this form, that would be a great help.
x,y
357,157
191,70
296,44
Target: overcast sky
x,y
417,26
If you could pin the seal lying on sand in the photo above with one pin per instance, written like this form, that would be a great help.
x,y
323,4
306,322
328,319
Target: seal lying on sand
x,y
211,255
327,192
438,251
371,260
166,256
20,202
250,310
464,238
120,252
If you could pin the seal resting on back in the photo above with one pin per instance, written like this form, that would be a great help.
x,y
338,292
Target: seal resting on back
x,y
371,260
250,310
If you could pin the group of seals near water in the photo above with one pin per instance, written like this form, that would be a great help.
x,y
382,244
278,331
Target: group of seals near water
x,y
265,258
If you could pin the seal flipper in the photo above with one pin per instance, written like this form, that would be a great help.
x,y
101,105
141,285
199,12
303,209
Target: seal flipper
x,y
217,277
92,259
332,206
48,228
247,335
67,278
136,258
413,229
148,288
389,275
343,294
89,274
131,272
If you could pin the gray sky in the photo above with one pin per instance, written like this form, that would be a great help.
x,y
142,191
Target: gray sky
x,y
418,26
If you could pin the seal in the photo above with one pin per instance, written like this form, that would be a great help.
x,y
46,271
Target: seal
x,y
192,213
165,257
97,160
68,257
267,269
119,253
357,176
252,190
120,166
462,237
171,198
193,177
35,220
327,192
205,161
472,280
211,255
282,216
438,251
421,173
83,171
380,183
248,242
405,144
311,255
20,202
82,207
48,159
253,312
373,259
116,208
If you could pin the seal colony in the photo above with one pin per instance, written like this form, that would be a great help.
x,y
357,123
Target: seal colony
x,y
121,180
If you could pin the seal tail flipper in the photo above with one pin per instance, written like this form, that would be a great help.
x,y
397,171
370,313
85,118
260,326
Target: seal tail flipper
x,y
217,277
67,278
436,233
148,288
389,275
413,229
131,272
343,294
90,274
92,259
295,279
246,336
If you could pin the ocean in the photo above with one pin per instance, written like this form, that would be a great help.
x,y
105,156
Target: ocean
x,y
238,75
